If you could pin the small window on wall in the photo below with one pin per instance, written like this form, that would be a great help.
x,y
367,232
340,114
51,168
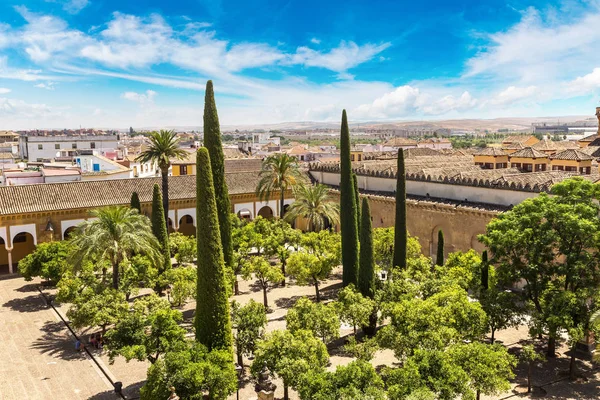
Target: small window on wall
x,y
92,145
40,147
74,145
57,146
96,167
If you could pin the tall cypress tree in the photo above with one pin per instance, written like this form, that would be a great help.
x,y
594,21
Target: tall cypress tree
x,y
348,209
400,233
212,321
212,141
357,201
366,272
135,202
159,228
439,260
485,271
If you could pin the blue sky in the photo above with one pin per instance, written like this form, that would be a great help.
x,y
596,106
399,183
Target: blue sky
x,y
106,63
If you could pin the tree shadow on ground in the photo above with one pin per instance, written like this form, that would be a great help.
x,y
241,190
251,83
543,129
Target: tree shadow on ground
x,y
28,287
131,392
288,302
31,303
57,342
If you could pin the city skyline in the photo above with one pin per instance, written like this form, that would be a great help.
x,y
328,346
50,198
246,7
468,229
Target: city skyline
x,y
95,63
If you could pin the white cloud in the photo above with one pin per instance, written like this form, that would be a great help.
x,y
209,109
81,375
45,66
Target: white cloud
x,y
513,94
47,85
75,6
4,90
19,110
142,98
584,84
315,40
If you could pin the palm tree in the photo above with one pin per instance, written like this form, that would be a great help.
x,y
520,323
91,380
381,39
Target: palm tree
x,y
114,234
279,172
315,205
162,149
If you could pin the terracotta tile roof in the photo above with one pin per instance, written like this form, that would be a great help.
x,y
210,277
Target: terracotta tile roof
x,y
91,194
491,151
399,142
551,145
513,146
529,152
593,151
420,152
571,154
516,139
590,138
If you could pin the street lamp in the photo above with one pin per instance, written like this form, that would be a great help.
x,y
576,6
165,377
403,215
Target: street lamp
x,y
50,229
238,371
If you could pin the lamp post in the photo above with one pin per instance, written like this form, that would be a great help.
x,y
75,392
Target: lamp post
x,y
50,229
238,371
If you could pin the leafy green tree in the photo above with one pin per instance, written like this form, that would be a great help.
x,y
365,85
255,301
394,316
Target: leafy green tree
x,y
489,367
48,261
357,201
348,209
212,320
502,309
366,272
383,248
182,248
282,238
364,351
288,356
249,322
485,271
314,204
320,319
97,309
182,282
150,330
212,141
401,233
135,202
439,259
265,273
159,228
279,173
462,269
194,372
138,271
357,380
529,356
115,233
163,147
353,308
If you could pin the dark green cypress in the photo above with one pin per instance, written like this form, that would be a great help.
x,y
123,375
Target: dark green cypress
x,y
400,233
348,210
439,260
357,201
212,141
212,321
135,202
159,228
485,271
366,272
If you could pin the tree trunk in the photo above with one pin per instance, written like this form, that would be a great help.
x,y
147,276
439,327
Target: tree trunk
x,y
478,394
116,276
281,212
317,291
240,359
286,395
283,272
165,194
266,303
572,365
551,347
354,328
529,377
372,327
236,286
492,339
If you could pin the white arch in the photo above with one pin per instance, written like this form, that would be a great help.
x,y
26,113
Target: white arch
x,y
270,203
244,206
186,211
174,219
29,228
4,236
64,225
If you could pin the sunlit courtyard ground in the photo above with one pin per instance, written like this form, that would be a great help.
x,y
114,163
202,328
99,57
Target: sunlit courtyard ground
x,y
38,359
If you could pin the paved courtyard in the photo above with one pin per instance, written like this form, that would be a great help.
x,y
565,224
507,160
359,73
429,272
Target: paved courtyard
x,y
38,360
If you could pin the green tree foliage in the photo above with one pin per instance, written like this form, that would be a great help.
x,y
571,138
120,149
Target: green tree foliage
x,y
212,141
502,308
364,350
529,357
138,272
366,272
488,367
194,372
315,205
357,201
383,248
462,269
401,234
114,234
182,282
485,271
348,209
91,309
320,319
135,202
353,308
265,273
357,380
249,322
282,238
162,148
279,173
212,321
439,259
182,248
48,261
150,330
159,228
319,253
289,356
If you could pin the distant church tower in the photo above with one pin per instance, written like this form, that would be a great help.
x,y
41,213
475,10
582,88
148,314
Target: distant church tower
x,y
598,116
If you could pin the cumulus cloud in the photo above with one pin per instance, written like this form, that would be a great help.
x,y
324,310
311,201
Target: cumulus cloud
x,y
315,41
4,90
12,109
142,98
584,84
513,94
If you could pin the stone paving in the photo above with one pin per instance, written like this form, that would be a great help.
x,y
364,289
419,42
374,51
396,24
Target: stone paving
x,y
38,360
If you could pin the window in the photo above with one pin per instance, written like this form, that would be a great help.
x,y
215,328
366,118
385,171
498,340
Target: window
x,y
40,147
96,167
57,146
92,145
20,238
74,145
183,170
352,157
